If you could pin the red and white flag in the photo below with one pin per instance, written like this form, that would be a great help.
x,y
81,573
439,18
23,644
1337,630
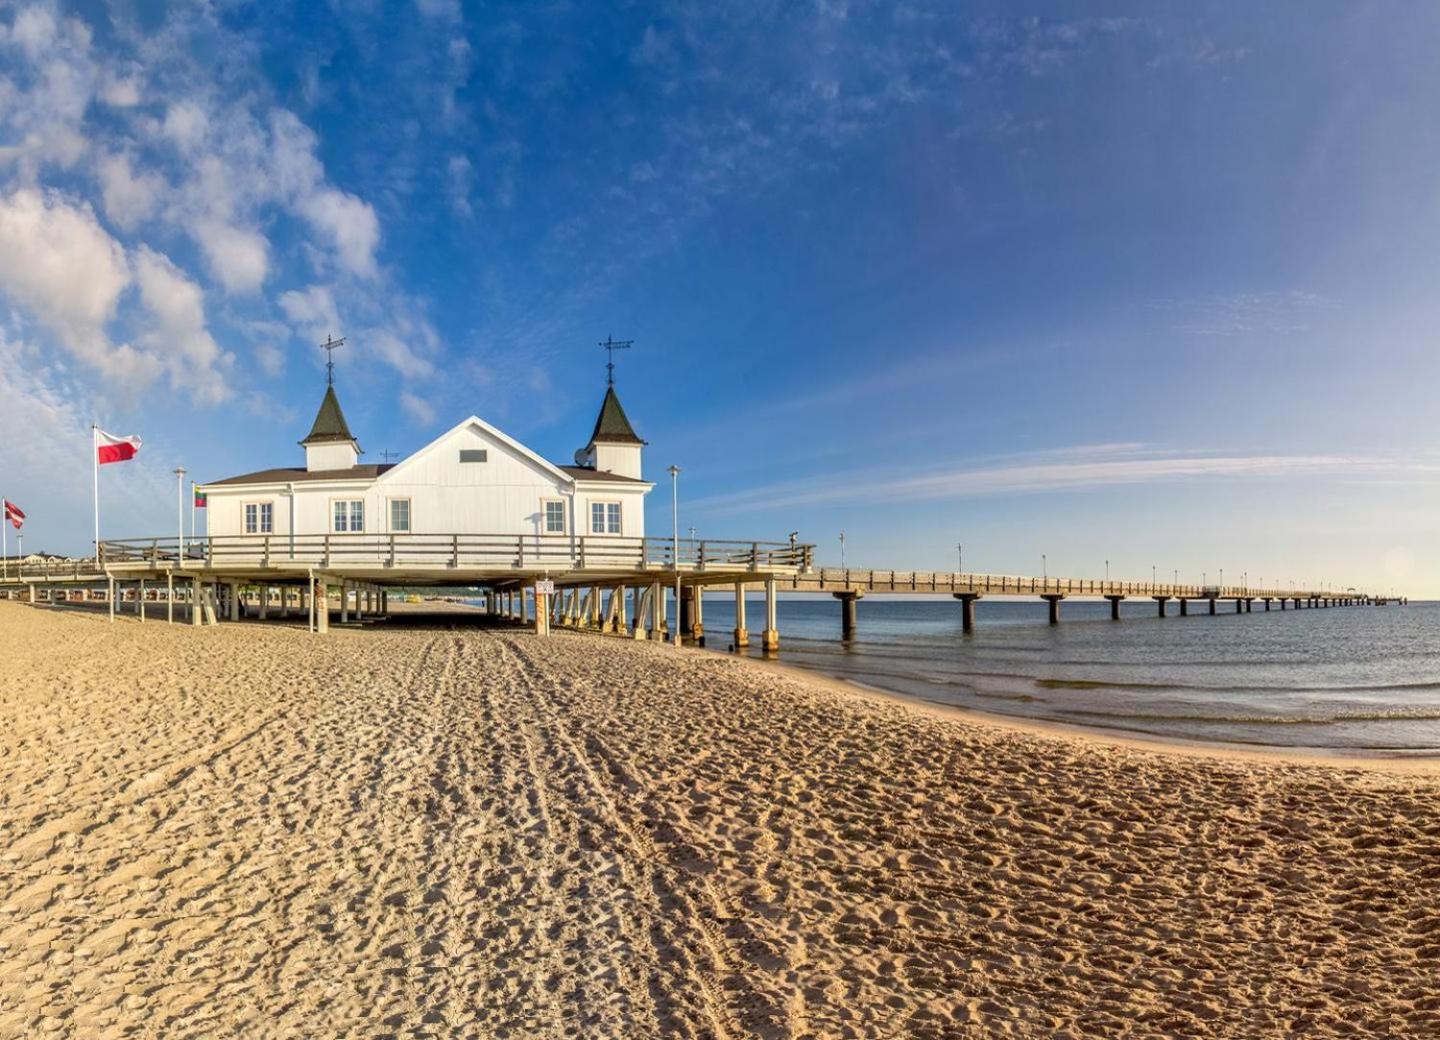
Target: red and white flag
x,y
14,515
109,448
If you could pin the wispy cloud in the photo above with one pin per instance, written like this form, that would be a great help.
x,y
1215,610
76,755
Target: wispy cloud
x,y
1065,469
1247,313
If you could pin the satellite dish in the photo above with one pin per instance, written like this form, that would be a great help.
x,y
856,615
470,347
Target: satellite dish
x,y
581,456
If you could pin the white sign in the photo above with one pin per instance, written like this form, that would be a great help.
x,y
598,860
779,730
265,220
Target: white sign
x,y
544,588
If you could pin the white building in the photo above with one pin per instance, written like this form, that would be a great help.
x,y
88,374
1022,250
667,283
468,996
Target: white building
x,y
471,480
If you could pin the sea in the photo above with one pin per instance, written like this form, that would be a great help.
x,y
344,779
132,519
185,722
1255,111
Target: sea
x,y
1346,680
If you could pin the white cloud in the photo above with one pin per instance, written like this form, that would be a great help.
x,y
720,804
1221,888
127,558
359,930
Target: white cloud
x,y
178,336
270,358
349,223
312,312
461,176
398,354
419,409
57,262
1069,469
440,10
129,197
185,124
237,257
121,93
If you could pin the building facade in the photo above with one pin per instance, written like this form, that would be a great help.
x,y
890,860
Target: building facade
x,y
471,480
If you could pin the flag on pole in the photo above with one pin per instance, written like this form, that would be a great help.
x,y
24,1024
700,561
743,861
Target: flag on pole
x,y
14,515
109,448
199,499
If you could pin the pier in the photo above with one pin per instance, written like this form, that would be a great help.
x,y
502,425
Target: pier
x,y
605,584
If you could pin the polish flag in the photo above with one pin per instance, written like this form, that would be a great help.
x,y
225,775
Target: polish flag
x,y
115,449
14,515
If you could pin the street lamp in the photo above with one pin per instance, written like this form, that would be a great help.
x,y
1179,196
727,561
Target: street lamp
x,y
674,472
1107,572
180,514
960,559
842,550
1152,575
1044,568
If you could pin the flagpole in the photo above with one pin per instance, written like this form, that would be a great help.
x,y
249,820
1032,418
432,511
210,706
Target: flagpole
x,y
4,551
192,510
95,466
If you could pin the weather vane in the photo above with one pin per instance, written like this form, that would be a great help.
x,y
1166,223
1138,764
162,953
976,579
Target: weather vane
x,y
611,345
329,346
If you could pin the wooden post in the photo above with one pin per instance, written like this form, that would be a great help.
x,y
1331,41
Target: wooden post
x,y
742,634
770,637
170,597
657,612
344,603
195,618
140,606
322,605
109,596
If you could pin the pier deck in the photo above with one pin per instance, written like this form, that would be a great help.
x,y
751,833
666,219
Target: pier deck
x,y
560,579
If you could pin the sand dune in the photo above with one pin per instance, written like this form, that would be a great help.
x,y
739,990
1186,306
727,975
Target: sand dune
x,y
436,831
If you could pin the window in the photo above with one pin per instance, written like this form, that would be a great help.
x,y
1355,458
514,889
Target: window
x,y
554,516
400,515
259,518
349,515
472,455
604,517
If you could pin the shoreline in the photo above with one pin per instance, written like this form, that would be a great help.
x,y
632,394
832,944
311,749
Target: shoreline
x,y
1420,765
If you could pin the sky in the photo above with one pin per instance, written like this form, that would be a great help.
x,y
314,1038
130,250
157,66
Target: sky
x,y
1152,285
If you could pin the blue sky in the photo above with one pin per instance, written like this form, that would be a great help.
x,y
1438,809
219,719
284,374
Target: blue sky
x,y
1153,284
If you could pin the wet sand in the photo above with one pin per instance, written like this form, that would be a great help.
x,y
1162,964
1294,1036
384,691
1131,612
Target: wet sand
x,y
432,829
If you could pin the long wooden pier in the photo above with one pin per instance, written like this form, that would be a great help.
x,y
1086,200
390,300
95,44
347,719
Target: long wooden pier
x,y
581,581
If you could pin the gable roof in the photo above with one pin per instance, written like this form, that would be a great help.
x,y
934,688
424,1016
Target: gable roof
x,y
502,438
612,426
330,425
298,475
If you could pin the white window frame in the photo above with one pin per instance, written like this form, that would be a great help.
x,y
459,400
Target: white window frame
x,y
349,515
545,504
259,504
409,514
605,505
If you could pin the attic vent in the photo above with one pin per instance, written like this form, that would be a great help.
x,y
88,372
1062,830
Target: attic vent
x,y
472,454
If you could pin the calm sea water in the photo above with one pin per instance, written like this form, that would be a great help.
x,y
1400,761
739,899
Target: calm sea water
x,y
1348,679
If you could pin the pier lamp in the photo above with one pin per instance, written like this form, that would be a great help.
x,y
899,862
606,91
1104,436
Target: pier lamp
x,y
1107,572
1044,568
674,472
180,514
842,550
1152,574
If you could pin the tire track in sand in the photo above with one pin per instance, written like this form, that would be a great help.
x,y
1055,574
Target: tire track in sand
x,y
686,922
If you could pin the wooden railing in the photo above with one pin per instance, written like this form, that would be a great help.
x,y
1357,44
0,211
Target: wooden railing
x,y
17,570
456,551
840,579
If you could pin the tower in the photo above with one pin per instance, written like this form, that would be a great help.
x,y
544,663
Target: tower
x,y
330,444
614,447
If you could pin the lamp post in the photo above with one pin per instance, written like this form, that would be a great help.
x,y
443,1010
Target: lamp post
x,y
180,514
1044,569
1152,577
960,559
1107,572
842,550
674,472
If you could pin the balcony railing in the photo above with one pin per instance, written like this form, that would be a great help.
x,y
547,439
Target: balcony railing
x,y
455,551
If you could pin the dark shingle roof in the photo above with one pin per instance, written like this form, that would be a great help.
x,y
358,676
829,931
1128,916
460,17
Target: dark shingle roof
x,y
300,474
586,473
329,422
612,426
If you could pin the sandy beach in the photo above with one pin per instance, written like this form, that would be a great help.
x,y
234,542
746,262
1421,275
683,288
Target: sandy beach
x,y
431,829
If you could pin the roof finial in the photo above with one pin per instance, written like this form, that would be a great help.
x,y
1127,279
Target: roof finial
x,y
329,346
611,345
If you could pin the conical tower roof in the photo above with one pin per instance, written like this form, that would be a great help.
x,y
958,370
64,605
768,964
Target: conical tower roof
x,y
330,425
612,426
